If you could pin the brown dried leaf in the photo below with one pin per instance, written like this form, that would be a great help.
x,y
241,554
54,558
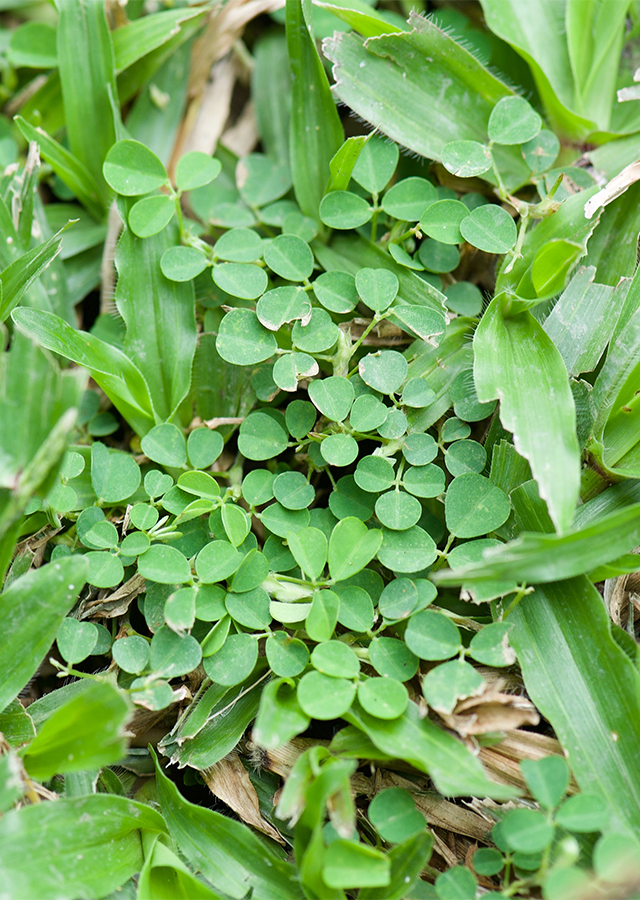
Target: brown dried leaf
x,y
229,781
493,711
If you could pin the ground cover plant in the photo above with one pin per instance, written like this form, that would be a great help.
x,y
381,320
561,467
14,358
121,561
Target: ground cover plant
x,y
319,450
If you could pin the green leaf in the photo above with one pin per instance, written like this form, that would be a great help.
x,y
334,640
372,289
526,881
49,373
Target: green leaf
x,y
404,72
76,639
438,257
164,871
148,33
466,159
239,245
235,661
456,883
583,812
333,396
454,770
348,865
392,658
87,76
165,565
527,830
165,444
384,371
407,860
150,215
442,221
271,92
377,288
286,656
27,637
242,280
490,228
211,842
261,437
336,291
242,340
547,779
174,654
113,371
325,698
398,510
409,199
132,169
316,132
585,309
407,551
384,698
430,635
376,164
115,476
131,654
513,121
322,616
34,45
87,732
336,659
280,717
343,162
309,548
491,645
474,506
351,546
344,210
196,169
507,351
444,685
290,257
394,815
106,826
487,861
261,180
541,152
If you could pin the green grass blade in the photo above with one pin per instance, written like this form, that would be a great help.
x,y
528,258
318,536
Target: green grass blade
x,y
586,686
316,132
22,272
535,29
582,321
160,318
595,32
87,74
68,168
106,828
364,19
27,637
271,90
227,853
542,558
142,36
517,363
395,82
112,369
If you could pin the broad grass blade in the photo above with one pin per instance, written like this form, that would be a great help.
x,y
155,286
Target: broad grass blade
x,y
316,132
517,363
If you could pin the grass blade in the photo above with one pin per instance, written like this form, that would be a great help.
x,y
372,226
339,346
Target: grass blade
x,y
160,319
372,77
112,369
517,363
27,637
68,168
18,276
87,75
316,132
542,558
586,686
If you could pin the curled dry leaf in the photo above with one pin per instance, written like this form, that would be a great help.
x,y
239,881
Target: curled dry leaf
x,y
229,781
614,188
493,711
